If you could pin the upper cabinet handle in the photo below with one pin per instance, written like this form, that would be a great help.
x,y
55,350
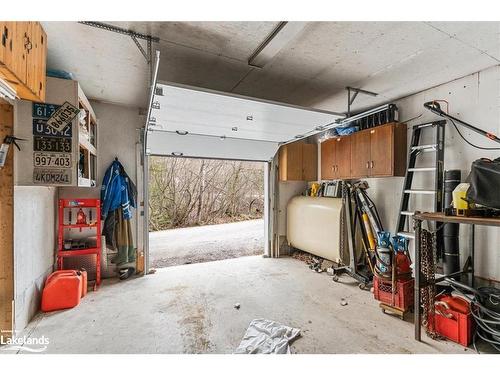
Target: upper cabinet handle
x,y
372,164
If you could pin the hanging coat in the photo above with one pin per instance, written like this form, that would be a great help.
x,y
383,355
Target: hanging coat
x,y
118,196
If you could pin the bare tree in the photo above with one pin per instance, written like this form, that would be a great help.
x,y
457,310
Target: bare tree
x,y
186,192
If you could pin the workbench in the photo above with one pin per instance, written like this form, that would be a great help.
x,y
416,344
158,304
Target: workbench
x,y
439,217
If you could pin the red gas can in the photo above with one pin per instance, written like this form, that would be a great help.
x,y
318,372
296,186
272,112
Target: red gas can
x,y
63,289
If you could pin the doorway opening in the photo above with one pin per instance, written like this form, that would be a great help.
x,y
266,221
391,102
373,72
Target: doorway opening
x,y
203,210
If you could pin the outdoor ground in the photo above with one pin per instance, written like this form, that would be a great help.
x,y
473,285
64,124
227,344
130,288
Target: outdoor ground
x,y
206,243
190,309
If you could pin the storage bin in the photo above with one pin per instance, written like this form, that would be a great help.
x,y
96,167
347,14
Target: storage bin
x,y
454,325
403,298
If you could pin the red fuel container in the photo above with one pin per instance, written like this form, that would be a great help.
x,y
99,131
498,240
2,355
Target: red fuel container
x,y
452,321
63,290
403,296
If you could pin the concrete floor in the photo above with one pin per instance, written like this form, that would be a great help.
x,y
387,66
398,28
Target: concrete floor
x,y
189,309
206,243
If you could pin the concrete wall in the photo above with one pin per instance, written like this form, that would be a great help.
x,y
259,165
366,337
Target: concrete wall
x,y
475,99
34,245
36,207
117,137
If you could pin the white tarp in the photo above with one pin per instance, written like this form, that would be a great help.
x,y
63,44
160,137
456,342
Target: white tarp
x,y
267,337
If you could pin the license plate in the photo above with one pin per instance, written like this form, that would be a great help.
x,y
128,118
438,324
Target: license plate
x,y
52,176
51,144
44,110
63,116
51,160
41,128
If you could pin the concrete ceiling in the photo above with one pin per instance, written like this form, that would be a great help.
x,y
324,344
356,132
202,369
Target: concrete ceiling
x,y
392,58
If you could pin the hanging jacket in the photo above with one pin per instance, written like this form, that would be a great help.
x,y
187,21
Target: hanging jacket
x,y
117,191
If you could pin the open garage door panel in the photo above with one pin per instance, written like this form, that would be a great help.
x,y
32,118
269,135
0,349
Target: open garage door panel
x,y
193,122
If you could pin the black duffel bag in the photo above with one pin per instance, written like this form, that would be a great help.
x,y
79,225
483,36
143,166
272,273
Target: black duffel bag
x,y
484,182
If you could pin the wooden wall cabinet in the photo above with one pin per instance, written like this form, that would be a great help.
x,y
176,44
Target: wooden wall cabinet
x,y
298,161
336,158
23,54
375,152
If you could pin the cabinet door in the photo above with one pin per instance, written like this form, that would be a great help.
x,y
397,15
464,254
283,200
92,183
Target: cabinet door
x,y
35,59
31,55
309,162
3,41
327,159
343,158
360,154
20,35
290,162
6,43
382,151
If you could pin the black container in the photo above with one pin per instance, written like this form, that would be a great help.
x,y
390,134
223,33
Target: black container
x,y
451,244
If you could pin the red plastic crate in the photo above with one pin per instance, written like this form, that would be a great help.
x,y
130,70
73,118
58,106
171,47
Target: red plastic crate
x,y
403,298
459,327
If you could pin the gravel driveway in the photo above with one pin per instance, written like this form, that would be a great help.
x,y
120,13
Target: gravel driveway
x,y
206,243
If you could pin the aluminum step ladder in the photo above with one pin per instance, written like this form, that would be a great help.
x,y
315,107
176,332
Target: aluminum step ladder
x,y
405,222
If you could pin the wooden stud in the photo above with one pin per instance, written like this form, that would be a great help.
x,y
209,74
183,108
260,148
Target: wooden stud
x,y
6,227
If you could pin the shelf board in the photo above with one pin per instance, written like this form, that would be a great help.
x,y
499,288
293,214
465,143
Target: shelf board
x,y
76,252
80,225
84,142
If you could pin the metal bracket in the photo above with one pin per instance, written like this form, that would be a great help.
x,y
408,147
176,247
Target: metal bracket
x,y
134,36
350,99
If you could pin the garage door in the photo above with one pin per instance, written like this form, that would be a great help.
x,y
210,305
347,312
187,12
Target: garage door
x,y
193,122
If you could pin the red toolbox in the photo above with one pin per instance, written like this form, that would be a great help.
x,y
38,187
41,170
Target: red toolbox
x,y
63,290
403,297
453,319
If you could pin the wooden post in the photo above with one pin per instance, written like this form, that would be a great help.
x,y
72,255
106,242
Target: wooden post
x,y
6,227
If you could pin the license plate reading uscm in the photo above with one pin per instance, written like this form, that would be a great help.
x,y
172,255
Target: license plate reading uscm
x,y
51,160
41,128
52,176
52,144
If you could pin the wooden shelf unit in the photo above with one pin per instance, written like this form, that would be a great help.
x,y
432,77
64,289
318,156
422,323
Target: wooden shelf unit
x,y
82,171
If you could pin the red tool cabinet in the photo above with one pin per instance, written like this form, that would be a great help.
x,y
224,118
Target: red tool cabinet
x,y
68,208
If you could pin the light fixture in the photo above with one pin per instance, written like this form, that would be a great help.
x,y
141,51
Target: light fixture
x,y
6,91
279,37
234,128
182,132
177,153
222,137
250,118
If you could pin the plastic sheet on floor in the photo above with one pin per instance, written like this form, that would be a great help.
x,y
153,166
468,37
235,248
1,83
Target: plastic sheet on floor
x,y
267,337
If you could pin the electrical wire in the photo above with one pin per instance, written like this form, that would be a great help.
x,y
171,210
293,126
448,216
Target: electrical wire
x,y
471,144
